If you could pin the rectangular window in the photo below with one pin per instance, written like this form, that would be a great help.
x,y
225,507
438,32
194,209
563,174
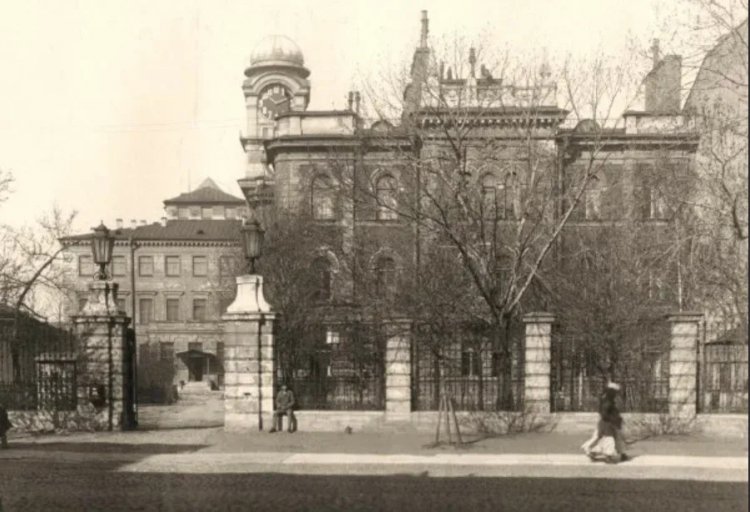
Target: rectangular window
x,y
172,266
166,351
183,213
200,266
471,364
199,310
227,265
81,303
220,351
85,265
218,212
119,266
195,212
121,305
145,266
146,310
173,310
231,213
207,212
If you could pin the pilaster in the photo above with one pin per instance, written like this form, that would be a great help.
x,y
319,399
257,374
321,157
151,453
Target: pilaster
x,y
537,343
683,363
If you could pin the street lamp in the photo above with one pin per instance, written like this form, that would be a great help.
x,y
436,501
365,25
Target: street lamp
x,y
252,237
102,245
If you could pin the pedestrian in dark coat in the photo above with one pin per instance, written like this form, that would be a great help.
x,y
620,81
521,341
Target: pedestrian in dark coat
x,y
5,425
607,442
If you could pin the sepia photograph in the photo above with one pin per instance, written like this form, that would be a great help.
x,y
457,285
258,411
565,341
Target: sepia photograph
x,y
343,255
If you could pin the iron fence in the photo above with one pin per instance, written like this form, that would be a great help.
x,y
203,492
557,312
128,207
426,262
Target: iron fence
x,y
723,369
467,364
581,368
37,364
335,367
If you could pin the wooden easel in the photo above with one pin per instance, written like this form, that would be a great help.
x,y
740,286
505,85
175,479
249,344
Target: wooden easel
x,y
447,412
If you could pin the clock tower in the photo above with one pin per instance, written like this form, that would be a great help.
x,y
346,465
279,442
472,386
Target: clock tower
x,y
276,83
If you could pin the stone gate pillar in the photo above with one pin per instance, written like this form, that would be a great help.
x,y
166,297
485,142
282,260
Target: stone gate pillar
x,y
537,343
398,371
248,358
683,363
103,387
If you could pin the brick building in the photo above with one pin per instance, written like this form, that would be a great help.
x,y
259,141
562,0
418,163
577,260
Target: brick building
x,y
182,270
349,175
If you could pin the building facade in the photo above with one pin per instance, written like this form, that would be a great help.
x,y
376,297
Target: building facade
x,y
362,183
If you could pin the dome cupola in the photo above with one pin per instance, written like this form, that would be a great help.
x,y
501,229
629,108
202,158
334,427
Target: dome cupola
x,y
276,51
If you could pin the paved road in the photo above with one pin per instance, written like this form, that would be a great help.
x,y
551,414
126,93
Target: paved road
x,y
107,484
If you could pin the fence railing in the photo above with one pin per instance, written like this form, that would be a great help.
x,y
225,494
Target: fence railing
x,y
466,364
723,368
37,365
642,370
336,367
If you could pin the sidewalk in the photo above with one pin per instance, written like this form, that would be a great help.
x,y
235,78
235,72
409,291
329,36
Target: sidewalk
x,y
211,450
216,440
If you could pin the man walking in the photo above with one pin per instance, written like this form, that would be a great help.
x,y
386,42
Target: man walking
x,y
284,407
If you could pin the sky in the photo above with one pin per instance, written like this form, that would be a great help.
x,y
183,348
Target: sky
x,y
108,108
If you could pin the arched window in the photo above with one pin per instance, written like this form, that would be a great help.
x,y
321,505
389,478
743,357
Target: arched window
x,y
489,196
385,277
321,274
385,190
322,198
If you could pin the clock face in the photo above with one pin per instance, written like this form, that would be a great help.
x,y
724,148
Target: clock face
x,y
273,101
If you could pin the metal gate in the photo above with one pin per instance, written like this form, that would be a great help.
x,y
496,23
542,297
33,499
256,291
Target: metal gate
x,y
723,382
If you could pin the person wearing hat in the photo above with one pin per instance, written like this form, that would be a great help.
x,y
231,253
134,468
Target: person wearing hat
x,y
607,442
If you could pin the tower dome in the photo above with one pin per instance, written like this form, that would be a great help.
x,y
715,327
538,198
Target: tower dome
x,y
276,49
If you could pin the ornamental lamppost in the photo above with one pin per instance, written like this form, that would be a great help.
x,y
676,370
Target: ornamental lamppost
x,y
102,245
252,238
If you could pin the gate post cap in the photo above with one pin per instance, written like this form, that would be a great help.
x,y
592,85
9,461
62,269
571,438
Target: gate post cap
x,y
685,316
539,317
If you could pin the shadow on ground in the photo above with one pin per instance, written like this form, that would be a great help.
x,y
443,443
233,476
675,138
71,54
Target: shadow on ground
x,y
86,488
103,447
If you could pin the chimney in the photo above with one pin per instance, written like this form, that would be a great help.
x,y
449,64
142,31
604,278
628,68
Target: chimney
x,y
163,221
143,222
134,223
356,102
472,60
663,84
425,30
118,223
350,100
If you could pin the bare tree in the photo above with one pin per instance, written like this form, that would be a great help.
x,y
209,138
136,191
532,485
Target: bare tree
x,y
479,172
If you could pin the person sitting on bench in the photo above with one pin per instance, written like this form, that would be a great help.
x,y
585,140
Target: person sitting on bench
x,y
284,407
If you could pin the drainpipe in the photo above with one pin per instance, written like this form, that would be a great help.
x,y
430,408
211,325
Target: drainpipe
x,y
134,362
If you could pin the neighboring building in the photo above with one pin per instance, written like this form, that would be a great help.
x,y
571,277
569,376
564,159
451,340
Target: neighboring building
x,y
184,280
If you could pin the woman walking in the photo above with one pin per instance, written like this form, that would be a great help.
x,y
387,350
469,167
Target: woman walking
x,y
607,443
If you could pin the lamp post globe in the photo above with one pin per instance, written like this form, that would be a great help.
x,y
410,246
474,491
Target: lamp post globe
x,y
252,238
102,245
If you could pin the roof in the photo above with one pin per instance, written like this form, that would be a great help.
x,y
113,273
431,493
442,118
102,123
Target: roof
x,y
176,230
207,193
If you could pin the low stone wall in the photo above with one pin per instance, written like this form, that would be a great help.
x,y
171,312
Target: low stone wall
x,y
57,421
636,425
